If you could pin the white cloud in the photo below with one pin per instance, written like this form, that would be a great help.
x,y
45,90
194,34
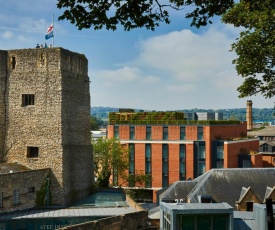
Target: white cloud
x,y
189,71
7,35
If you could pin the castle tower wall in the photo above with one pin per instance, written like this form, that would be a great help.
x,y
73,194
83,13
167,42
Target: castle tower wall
x,y
249,115
47,121
3,79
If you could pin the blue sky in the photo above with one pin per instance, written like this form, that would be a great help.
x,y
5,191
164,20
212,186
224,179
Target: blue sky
x,y
174,67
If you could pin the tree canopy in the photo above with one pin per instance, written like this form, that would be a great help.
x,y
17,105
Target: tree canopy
x,y
255,48
112,159
138,13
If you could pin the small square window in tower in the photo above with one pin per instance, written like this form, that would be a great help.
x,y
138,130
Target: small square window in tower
x,y
27,99
32,152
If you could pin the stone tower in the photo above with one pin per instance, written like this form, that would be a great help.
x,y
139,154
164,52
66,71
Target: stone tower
x,y
249,115
45,115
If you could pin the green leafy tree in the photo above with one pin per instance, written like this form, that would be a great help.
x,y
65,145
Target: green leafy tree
x,y
111,158
138,13
256,46
95,123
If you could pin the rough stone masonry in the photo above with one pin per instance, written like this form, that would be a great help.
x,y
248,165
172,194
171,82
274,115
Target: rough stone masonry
x,y
44,117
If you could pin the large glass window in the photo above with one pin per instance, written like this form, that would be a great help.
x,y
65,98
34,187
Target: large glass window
x,y
204,222
220,152
201,222
165,169
182,162
201,168
217,154
200,133
132,132
188,222
148,133
165,133
182,133
148,164
166,221
199,158
201,152
116,132
220,157
132,163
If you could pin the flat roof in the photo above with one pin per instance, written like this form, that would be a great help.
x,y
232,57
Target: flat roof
x,y
195,208
67,212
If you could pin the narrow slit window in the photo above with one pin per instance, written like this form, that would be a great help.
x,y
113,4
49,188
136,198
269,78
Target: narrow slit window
x,y
13,62
27,99
16,197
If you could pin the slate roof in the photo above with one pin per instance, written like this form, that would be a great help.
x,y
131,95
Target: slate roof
x,y
271,143
12,167
267,131
224,185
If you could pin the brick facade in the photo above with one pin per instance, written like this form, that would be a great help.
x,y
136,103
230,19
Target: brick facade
x,y
47,110
210,134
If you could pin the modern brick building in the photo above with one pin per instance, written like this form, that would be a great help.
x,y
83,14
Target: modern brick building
x,y
170,148
44,118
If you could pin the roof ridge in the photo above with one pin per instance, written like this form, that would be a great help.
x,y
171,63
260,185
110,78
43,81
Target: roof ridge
x,y
199,184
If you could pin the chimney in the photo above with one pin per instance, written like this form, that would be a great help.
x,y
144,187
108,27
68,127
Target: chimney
x,y
249,115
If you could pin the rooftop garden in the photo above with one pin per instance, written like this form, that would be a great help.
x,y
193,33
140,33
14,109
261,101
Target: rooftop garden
x,y
160,118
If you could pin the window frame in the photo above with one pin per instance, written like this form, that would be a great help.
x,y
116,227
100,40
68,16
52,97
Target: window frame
x,y
28,100
16,197
32,152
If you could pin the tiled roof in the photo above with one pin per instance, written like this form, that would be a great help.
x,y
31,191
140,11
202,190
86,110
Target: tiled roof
x,y
224,185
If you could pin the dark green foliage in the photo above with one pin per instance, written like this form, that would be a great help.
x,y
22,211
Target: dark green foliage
x,y
96,122
41,195
133,14
256,46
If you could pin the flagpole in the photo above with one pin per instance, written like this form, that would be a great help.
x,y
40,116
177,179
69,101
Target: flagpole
x,y
53,28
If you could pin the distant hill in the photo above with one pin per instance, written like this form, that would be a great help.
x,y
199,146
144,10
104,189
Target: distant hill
x,y
237,114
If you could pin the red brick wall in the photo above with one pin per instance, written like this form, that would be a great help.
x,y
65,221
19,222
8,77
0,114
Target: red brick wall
x,y
110,131
173,163
157,132
124,132
257,161
140,132
226,131
174,132
232,150
191,132
189,161
208,147
156,165
140,157
267,161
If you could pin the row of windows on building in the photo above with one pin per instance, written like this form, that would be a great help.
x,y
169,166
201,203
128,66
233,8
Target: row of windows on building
x,y
199,161
164,133
15,196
